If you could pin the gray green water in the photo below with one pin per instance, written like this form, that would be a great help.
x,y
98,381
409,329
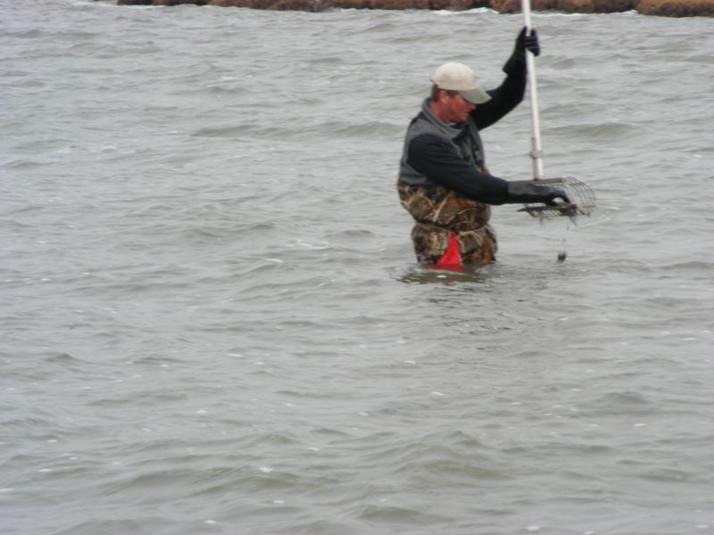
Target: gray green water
x,y
210,316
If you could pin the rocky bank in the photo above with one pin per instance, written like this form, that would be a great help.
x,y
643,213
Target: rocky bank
x,y
668,8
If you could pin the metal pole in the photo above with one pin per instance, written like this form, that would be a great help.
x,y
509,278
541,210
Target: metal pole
x,y
536,149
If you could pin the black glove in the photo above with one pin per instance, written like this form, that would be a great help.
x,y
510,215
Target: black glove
x,y
528,42
524,42
530,191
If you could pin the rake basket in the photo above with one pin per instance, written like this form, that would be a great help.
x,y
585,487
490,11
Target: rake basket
x,y
581,195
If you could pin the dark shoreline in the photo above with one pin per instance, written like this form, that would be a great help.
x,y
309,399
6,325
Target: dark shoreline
x,y
665,8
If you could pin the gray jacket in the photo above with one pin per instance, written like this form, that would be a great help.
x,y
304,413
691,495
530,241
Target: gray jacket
x,y
465,138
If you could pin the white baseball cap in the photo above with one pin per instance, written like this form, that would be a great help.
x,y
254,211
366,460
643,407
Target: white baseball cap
x,y
459,77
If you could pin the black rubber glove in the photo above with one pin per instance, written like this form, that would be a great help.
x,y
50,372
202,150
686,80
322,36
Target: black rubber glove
x,y
529,191
528,42
524,42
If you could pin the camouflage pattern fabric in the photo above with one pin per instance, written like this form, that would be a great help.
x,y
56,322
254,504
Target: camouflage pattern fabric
x,y
437,211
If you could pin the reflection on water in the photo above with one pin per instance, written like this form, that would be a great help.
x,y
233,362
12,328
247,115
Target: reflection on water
x,y
467,274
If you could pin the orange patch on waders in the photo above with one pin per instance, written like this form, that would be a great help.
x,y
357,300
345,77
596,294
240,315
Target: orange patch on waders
x,y
451,259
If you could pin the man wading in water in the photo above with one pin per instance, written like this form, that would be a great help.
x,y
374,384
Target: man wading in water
x,y
443,179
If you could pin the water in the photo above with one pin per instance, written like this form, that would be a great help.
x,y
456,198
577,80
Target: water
x,y
211,320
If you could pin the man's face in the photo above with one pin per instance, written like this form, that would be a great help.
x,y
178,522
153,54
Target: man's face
x,y
456,107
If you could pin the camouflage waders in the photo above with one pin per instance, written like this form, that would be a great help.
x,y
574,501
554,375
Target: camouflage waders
x,y
436,212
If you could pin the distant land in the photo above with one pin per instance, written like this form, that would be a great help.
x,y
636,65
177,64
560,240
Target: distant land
x,y
665,8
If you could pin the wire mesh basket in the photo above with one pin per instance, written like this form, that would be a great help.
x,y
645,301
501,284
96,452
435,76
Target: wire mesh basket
x,y
581,195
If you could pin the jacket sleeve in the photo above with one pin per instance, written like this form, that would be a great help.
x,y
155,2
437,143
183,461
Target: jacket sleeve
x,y
505,97
438,160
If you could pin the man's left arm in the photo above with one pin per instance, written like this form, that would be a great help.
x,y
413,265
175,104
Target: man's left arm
x,y
510,93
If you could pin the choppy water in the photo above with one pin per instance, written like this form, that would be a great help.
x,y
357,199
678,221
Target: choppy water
x,y
210,316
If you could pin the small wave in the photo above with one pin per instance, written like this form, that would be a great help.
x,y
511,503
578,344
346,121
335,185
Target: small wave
x,y
327,60
558,14
157,361
392,514
27,34
706,59
700,267
154,479
452,455
354,234
221,131
240,130
564,64
406,39
63,358
23,164
328,128
595,131
69,36
24,423
625,398
448,13
419,275
139,6
223,90
380,27
106,403
114,526
87,4
345,129
269,439
668,475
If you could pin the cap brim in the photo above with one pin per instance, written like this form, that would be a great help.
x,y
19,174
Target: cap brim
x,y
476,95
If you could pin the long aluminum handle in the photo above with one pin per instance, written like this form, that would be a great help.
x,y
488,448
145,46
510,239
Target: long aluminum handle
x,y
536,149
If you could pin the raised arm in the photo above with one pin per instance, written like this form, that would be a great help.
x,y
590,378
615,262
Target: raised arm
x,y
510,93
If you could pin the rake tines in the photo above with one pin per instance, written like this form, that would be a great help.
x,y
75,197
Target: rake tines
x,y
581,195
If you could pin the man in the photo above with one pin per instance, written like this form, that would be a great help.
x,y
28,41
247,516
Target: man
x,y
443,179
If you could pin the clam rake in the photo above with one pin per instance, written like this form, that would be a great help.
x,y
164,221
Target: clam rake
x,y
581,195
